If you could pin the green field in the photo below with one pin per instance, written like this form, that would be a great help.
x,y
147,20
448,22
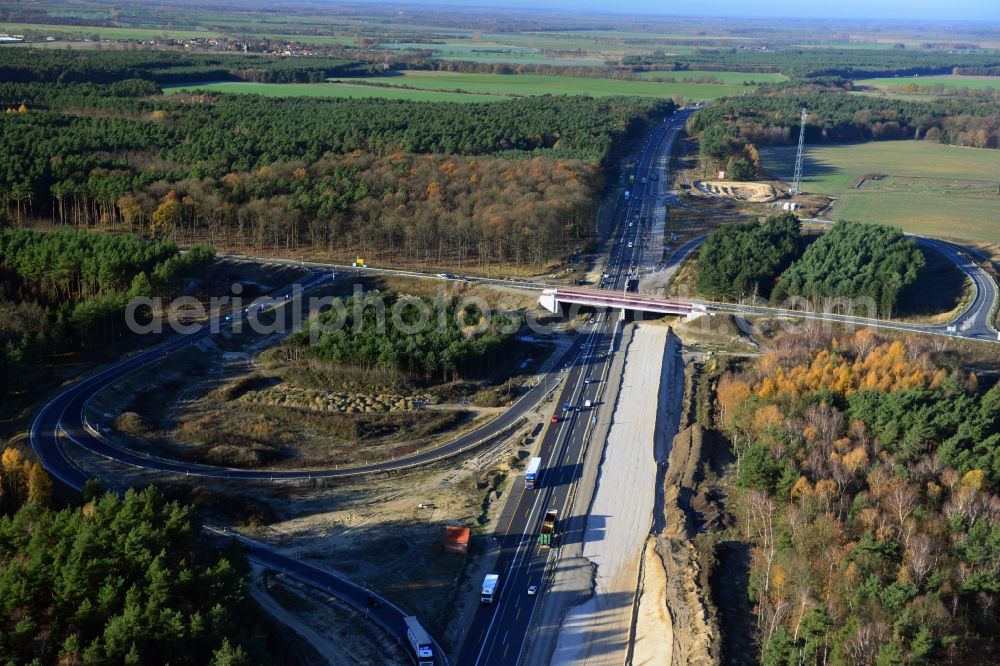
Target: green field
x,y
731,78
445,87
329,90
927,188
104,33
949,81
526,58
315,40
537,84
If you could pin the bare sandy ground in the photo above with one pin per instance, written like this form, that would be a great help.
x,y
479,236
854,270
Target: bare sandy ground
x,y
654,635
597,631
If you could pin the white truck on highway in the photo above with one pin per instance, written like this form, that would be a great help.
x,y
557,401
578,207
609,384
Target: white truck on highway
x,y
489,588
531,476
421,643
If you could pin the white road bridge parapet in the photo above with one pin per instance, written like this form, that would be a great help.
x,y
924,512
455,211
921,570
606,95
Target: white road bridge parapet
x,y
552,299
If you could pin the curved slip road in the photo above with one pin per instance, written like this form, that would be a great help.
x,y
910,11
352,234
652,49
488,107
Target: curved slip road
x,y
974,322
63,415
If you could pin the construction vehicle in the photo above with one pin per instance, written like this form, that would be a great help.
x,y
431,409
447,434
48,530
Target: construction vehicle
x,y
548,528
490,584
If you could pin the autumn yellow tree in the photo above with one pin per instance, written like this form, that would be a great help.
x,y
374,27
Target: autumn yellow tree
x,y
167,216
12,463
732,395
39,485
130,209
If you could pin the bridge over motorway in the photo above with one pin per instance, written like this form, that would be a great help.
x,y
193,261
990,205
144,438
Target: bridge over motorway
x,y
553,300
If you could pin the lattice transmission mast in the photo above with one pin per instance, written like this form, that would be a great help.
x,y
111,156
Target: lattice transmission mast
x,y
797,179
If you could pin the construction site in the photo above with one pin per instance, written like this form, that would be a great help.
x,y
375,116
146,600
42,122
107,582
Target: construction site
x,y
737,190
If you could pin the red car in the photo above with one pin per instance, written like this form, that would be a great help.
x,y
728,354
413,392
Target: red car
x,y
555,418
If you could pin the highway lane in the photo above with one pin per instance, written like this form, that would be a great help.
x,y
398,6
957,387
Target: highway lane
x,y
374,607
498,632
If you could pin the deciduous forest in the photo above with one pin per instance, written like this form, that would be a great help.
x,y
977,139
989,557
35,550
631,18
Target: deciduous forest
x,y
512,181
866,482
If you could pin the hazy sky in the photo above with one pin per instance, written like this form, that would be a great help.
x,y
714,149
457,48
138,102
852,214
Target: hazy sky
x,y
987,10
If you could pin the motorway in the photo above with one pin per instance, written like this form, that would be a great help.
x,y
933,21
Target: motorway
x,y
498,631
64,415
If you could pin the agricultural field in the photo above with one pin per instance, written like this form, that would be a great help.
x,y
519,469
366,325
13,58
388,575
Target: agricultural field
x,y
329,90
462,87
313,40
924,188
950,81
537,84
729,78
88,32
523,58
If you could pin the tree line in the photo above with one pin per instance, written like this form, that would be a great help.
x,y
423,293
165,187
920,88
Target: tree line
x,y
866,483
584,71
815,63
772,117
26,65
67,288
119,581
